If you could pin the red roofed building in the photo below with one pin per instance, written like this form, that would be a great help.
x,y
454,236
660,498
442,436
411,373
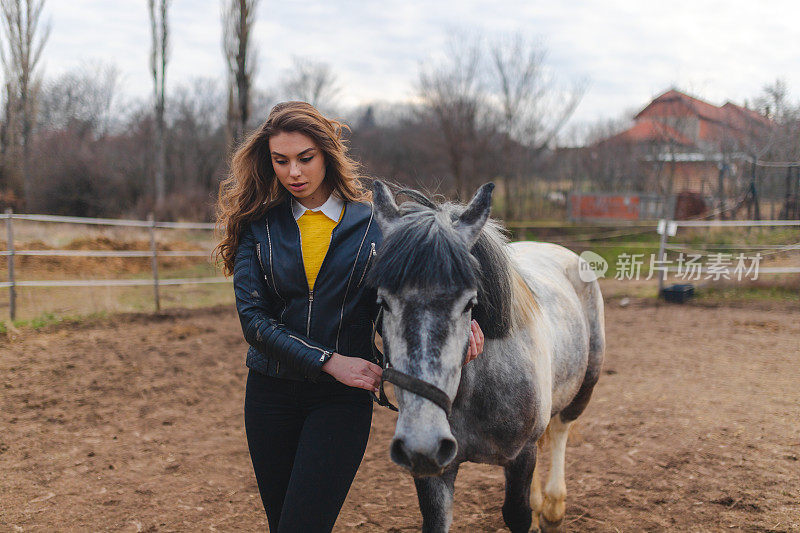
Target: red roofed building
x,y
681,142
647,130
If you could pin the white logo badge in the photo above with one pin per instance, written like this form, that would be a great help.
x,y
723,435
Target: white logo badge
x,y
591,266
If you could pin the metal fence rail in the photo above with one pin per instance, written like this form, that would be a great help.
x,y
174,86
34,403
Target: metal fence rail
x,y
154,253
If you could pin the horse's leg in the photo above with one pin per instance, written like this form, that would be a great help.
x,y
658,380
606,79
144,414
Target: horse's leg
x,y
517,512
555,491
435,495
538,498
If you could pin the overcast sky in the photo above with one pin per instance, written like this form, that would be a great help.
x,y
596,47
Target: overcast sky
x,y
628,51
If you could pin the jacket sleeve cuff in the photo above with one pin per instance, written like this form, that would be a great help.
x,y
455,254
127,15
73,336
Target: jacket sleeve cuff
x,y
294,349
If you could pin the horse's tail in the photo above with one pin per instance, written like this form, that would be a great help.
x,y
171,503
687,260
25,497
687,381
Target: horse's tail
x,y
595,318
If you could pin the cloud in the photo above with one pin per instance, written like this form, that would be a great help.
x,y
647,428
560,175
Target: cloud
x,y
629,51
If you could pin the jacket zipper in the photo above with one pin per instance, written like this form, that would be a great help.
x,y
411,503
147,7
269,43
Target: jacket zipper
x,y
308,322
311,291
324,352
260,262
264,273
372,252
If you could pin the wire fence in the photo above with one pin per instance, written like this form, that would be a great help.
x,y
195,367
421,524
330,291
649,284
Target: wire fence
x,y
669,228
606,235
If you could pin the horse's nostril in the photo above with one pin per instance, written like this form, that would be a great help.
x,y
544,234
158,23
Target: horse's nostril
x,y
398,453
447,452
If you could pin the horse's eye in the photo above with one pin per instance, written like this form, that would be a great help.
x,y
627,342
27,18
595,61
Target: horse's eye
x,y
382,303
470,304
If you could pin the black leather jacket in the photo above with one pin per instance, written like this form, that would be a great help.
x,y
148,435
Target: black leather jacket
x,y
290,329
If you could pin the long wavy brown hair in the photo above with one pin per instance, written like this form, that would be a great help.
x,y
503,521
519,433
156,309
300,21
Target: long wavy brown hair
x,y
252,188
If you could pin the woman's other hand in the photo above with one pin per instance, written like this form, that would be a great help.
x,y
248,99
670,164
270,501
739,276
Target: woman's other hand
x,y
354,372
475,341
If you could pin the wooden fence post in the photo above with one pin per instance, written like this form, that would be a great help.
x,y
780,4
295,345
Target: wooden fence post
x,y
154,251
12,293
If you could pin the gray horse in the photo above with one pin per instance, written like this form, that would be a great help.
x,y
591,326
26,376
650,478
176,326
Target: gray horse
x,y
439,266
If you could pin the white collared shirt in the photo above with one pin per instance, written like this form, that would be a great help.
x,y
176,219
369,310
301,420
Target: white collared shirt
x,y
332,208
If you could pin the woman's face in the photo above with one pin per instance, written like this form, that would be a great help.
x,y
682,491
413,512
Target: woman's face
x,y
300,167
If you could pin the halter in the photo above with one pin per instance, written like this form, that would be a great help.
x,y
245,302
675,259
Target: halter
x,y
404,381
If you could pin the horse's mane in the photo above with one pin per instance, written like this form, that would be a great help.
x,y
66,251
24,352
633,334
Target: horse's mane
x,y
424,251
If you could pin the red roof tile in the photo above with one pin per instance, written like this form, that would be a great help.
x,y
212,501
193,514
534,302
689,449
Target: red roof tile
x,y
650,124
689,103
649,130
742,115
674,102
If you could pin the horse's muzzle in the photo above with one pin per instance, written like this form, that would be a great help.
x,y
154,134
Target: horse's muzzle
x,y
424,462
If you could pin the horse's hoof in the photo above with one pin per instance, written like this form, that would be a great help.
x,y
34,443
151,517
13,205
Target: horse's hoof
x,y
546,526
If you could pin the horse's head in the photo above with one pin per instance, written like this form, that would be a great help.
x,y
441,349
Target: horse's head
x,y
427,282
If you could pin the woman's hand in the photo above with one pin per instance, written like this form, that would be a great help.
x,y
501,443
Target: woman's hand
x,y
354,372
475,341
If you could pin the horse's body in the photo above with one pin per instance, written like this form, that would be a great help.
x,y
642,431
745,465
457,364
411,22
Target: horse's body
x,y
508,395
542,357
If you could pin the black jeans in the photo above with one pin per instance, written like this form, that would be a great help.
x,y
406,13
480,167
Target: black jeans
x,y
306,442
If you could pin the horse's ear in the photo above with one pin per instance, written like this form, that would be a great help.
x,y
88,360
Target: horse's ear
x,y
386,210
471,221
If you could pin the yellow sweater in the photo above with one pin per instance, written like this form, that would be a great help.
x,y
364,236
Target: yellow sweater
x,y
315,237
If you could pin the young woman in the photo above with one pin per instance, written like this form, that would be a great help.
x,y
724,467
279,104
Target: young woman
x,y
299,236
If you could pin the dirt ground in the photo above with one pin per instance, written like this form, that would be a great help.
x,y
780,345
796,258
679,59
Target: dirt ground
x,y
135,423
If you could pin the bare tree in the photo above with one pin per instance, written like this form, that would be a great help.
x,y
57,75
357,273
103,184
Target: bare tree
x,y
534,109
781,145
778,140
395,141
311,81
159,29
196,136
238,17
261,102
23,42
504,103
84,95
455,97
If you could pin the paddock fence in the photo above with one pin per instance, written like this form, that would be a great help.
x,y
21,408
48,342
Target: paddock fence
x,y
596,235
669,228
154,253
600,235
